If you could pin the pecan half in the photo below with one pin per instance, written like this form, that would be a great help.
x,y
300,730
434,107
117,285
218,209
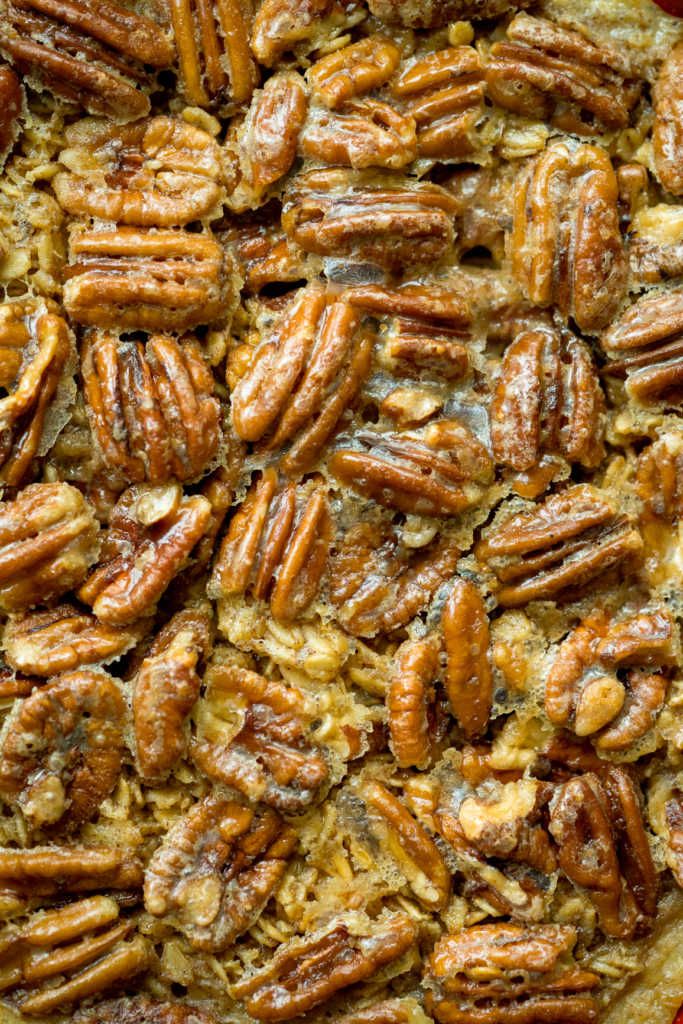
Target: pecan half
x,y
444,93
548,400
93,57
164,690
269,139
277,546
550,73
354,70
569,539
301,378
645,346
159,173
509,974
48,538
306,972
364,133
344,213
583,690
440,470
409,697
269,757
216,869
667,132
212,42
54,870
152,406
468,678
36,363
152,532
62,751
46,643
161,280
659,478
566,245
603,847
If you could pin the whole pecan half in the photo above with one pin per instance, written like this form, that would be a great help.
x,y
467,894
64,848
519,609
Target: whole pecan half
x,y
48,538
566,246
277,545
93,55
268,757
54,870
216,869
353,70
268,140
152,406
306,972
667,132
468,678
72,762
409,697
550,73
645,346
566,541
509,973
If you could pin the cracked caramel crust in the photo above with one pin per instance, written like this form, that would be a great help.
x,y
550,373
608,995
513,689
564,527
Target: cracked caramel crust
x,y
341,469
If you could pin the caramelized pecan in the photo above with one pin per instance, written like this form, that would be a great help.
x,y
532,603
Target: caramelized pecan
x,y
161,280
306,972
281,26
54,870
216,869
645,346
444,93
62,751
48,538
91,56
566,246
164,690
152,532
388,1011
354,70
264,254
659,478
674,820
270,135
667,132
548,400
555,74
276,546
468,677
268,756
408,700
511,975
566,541
364,133
152,406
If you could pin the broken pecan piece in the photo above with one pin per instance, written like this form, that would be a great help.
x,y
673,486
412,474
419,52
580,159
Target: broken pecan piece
x,y
667,132
276,546
306,972
659,478
645,346
566,246
569,539
216,869
511,975
48,538
268,757
389,1011
152,406
674,821
54,870
299,26
62,751
364,133
263,253
468,678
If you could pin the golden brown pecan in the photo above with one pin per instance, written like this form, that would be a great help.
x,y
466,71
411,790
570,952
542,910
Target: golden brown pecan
x,y
603,847
306,972
548,400
354,70
302,377
569,539
164,690
390,222
389,1011
667,132
11,101
160,172
36,365
659,478
152,532
281,26
509,974
440,470
599,683
93,55
377,584
434,13
674,820
268,756
48,538
556,74
141,1010
468,677
363,133
216,869
270,134
409,844
277,545
218,489
62,751
152,406
444,93
566,246
45,643
212,42
54,870
161,280
263,253
408,700
106,951
645,346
